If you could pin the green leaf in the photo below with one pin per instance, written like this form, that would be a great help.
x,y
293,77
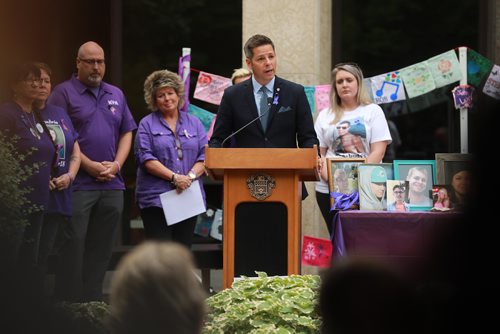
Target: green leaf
x,y
266,305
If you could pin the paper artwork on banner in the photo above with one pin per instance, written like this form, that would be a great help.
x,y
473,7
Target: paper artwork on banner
x,y
477,67
316,251
184,72
211,128
367,84
309,90
217,225
322,97
463,96
445,68
205,116
492,85
210,87
386,88
417,79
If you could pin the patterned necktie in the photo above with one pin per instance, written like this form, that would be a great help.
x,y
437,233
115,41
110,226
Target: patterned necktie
x,y
264,106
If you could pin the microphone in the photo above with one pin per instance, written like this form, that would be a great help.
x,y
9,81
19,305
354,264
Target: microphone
x,y
269,99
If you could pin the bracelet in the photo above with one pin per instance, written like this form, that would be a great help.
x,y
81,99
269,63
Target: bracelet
x,y
173,179
119,165
71,176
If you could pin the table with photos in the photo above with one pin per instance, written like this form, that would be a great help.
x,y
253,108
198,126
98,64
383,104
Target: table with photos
x,y
402,240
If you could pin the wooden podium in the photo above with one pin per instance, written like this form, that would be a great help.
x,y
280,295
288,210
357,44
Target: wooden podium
x,y
260,175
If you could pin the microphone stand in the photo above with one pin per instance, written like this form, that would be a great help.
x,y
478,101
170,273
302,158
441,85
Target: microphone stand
x,y
244,126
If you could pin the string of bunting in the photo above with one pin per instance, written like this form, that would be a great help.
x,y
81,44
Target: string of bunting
x,y
392,86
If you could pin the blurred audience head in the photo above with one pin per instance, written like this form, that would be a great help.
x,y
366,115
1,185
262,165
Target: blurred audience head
x,y
155,290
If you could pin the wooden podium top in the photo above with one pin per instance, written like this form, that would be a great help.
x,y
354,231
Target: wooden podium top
x,y
302,159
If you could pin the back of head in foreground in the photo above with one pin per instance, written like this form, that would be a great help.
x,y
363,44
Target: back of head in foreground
x,y
155,290
364,297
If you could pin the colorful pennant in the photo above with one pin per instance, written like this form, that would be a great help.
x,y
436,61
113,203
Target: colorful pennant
x,y
387,88
445,68
316,251
417,79
492,85
210,87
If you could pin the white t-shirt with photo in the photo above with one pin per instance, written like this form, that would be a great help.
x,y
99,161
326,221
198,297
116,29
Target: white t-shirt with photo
x,y
365,125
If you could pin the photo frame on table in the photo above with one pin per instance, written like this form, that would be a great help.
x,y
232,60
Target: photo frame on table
x,y
372,187
441,197
389,169
392,205
448,163
401,170
343,175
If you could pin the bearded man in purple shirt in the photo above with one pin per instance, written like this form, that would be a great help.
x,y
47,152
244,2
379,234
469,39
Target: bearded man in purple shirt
x,y
104,123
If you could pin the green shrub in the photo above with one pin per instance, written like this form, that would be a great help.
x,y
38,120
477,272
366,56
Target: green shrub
x,y
83,318
14,207
266,305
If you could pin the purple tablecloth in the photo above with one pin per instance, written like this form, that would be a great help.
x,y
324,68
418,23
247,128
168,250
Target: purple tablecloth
x,y
401,239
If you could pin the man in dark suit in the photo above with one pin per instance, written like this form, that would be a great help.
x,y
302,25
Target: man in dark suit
x,y
289,118
264,111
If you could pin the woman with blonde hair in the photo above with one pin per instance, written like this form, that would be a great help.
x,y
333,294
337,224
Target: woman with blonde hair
x,y
170,152
239,75
352,127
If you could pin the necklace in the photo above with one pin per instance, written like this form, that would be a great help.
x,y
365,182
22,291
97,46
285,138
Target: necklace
x,y
34,126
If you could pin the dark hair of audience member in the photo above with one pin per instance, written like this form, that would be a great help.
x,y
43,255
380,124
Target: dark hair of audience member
x,y
363,297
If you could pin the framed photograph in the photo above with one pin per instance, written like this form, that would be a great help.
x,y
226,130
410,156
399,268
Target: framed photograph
x,y
372,187
343,175
455,170
421,175
389,170
397,195
447,164
441,197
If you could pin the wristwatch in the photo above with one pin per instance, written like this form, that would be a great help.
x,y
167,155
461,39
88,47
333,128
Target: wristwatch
x,y
192,175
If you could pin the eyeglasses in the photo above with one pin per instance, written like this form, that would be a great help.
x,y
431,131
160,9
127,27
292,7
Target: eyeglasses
x,y
178,147
93,61
398,192
33,81
344,127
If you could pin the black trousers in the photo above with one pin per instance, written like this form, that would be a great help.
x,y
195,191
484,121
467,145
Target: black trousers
x,y
155,227
323,201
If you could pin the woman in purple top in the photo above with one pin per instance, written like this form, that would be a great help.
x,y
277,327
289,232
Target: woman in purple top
x,y
17,118
170,152
63,136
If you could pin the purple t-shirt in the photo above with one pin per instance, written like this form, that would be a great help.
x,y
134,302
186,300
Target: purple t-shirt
x,y
155,141
14,121
64,135
99,121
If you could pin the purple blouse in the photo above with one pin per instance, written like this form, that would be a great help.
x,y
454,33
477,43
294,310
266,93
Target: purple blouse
x,y
156,141
14,121
99,121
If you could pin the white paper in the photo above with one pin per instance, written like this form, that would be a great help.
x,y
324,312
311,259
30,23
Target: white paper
x,y
178,207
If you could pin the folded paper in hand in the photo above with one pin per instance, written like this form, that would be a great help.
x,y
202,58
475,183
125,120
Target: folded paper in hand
x,y
181,206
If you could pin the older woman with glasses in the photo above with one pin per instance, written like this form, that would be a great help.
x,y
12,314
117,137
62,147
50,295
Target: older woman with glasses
x,y
19,119
170,152
352,127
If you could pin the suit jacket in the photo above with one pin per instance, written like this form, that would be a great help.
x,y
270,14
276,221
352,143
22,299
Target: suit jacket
x,y
290,123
